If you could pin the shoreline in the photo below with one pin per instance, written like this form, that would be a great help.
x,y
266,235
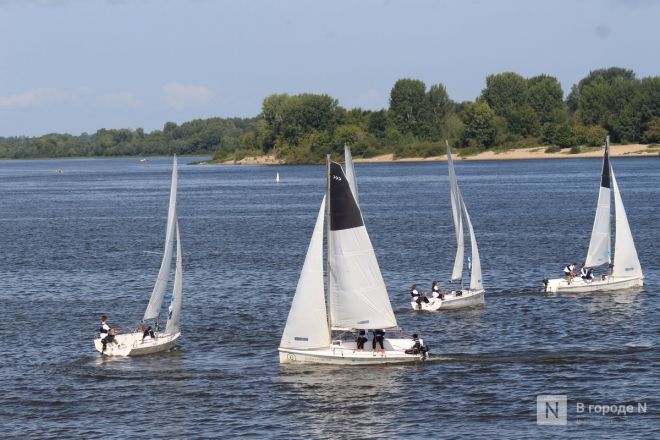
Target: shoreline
x,y
529,153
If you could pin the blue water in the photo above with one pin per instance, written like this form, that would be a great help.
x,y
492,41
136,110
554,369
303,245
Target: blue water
x,y
86,242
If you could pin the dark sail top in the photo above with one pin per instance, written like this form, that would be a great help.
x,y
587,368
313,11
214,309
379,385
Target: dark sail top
x,y
605,178
344,212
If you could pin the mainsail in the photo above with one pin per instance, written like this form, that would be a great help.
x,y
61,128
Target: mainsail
x,y
456,209
156,300
626,262
174,315
350,172
357,295
599,246
307,324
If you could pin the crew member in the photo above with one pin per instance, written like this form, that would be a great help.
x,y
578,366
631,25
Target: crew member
x,y
379,337
361,339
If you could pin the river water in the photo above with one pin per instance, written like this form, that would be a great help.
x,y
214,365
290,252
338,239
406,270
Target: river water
x,y
86,242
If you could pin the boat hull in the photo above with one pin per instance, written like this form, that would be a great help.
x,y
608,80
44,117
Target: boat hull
x,y
578,285
346,353
131,344
469,298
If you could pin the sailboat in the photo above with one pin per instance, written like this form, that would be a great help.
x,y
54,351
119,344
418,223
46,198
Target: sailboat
x,y
277,177
323,328
133,344
626,271
474,294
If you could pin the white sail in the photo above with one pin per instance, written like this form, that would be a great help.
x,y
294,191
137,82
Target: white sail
x,y
475,274
156,300
599,246
357,294
626,262
456,208
174,315
350,172
307,324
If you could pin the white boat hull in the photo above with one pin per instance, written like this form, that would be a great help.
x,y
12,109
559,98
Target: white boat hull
x,y
131,344
578,285
346,353
468,298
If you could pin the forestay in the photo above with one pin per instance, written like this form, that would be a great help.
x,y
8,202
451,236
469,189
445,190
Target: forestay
x,y
350,173
357,294
626,262
599,246
307,324
174,316
156,300
456,209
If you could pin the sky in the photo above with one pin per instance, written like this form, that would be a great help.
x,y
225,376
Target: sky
x,y
74,66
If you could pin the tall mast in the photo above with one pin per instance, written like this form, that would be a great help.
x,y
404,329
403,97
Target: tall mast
x,y
328,242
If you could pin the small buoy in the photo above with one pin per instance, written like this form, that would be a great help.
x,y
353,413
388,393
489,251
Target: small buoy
x,y
277,178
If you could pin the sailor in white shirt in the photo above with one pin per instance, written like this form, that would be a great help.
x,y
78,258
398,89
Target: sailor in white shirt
x,y
106,333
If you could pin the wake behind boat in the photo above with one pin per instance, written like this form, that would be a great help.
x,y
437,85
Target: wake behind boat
x,y
337,331
474,294
625,272
150,340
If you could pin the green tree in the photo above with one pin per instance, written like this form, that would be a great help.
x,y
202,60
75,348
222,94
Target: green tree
x,y
438,108
479,125
407,100
505,93
545,97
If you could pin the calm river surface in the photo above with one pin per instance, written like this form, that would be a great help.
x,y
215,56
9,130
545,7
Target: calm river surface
x,y
86,242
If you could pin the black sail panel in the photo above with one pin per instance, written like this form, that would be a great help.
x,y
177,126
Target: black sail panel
x,y
344,211
605,178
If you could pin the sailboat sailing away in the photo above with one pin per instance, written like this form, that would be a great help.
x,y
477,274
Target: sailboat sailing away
x,y
626,271
475,293
132,344
329,331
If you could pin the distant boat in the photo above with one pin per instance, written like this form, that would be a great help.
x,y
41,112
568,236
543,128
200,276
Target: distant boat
x,y
132,344
277,178
474,294
58,170
626,271
325,331
144,160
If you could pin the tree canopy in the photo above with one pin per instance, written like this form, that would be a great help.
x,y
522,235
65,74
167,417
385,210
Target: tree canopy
x,y
511,111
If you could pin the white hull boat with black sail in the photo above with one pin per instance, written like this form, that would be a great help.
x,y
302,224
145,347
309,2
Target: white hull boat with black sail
x,y
328,331
625,271
135,343
474,294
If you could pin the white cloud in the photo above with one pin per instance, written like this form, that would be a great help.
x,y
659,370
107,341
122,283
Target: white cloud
x,y
179,96
120,99
33,98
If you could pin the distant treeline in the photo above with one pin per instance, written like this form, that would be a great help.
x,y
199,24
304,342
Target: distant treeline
x,y
512,111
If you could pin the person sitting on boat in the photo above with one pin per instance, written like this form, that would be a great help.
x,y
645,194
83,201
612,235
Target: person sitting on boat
x,y
435,290
569,271
418,346
587,274
379,338
361,339
418,296
107,333
148,334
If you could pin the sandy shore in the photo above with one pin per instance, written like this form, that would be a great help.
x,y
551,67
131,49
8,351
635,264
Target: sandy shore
x,y
529,153
517,154
256,160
